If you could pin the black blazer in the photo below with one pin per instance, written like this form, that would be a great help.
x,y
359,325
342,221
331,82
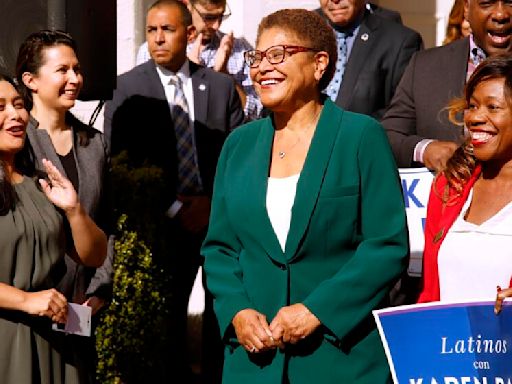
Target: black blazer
x,y
385,12
138,120
418,109
376,63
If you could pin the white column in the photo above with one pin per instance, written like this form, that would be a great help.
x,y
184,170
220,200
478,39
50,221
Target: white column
x,y
443,12
428,17
128,29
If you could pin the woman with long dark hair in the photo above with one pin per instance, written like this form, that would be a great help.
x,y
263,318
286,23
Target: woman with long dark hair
x,y
32,248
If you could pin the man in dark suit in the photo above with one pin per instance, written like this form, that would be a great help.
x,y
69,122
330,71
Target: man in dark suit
x,y
372,54
174,115
417,120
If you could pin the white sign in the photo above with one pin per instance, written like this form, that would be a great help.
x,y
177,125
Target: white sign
x,y
416,184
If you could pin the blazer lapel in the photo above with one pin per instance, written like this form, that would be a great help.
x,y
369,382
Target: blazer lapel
x,y
362,48
458,59
42,145
155,85
257,187
312,175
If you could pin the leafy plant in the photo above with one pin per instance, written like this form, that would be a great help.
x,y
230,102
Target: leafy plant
x,y
131,328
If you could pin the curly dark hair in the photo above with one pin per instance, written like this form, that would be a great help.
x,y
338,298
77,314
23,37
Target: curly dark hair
x,y
31,58
309,27
23,162
462,164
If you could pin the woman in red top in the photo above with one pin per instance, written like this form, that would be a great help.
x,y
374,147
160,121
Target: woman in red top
x,y
470,205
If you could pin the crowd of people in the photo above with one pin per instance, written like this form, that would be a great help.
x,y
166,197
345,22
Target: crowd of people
x,y
279,175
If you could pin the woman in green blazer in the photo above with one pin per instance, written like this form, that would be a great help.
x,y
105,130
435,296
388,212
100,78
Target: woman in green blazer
x,y
307,232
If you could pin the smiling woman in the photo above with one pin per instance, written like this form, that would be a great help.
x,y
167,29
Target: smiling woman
x,y
32,248
291,239
48,71
470,206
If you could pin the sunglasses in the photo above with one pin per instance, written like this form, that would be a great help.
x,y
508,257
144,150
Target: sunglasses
x,y
210,18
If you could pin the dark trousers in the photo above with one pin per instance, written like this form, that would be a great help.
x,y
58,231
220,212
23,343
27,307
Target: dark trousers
x,y
184,266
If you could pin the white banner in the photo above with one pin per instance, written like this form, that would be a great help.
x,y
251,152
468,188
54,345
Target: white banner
x,y
416,184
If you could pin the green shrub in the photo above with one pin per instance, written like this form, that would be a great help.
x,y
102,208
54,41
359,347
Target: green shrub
x,y
132,328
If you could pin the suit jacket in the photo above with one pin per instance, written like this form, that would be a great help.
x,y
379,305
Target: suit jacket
x,y
344,249
93,167
385,12
418,109
381,51
138,120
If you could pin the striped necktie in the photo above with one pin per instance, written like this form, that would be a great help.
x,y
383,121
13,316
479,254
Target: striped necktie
x,y
188,171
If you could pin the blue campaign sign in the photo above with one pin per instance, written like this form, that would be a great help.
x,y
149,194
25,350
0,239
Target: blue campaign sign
x,y
462,343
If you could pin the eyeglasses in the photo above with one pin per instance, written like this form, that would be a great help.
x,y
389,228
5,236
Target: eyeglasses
x,y
210,18
275,54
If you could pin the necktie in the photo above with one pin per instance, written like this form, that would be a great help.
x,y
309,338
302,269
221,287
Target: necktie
x,y
188,172
335,84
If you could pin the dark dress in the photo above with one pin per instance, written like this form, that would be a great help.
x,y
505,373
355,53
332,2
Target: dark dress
x,y
87,167
32,246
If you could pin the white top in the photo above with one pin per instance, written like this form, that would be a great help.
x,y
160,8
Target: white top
x,y
474,259
280,198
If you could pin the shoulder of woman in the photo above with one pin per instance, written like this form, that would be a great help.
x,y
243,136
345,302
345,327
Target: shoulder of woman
x,y
360,124
79,126
250,130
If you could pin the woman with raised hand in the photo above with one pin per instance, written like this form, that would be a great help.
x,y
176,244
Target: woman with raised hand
x,y
32,248
307,231
50,79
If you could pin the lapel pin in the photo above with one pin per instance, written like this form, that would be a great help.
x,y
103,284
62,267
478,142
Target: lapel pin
x,y
202,87
365,37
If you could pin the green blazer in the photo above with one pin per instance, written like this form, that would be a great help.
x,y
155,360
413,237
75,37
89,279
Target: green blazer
x,y
346,246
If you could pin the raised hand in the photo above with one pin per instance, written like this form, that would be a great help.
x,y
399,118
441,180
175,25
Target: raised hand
x,y
59,190
194,54
223,53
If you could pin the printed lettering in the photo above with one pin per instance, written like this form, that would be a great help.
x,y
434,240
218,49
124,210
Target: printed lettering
x,y
409,193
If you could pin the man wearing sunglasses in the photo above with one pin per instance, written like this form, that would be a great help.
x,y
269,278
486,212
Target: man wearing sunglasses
x,y
217,50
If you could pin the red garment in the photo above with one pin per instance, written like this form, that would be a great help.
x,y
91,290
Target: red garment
x,y
440,217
